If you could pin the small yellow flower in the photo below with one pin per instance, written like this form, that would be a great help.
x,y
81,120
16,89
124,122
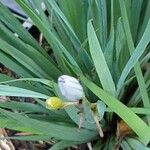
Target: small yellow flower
x,y
54,103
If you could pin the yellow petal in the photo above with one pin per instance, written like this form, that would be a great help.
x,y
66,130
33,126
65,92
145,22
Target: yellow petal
x,y
54,103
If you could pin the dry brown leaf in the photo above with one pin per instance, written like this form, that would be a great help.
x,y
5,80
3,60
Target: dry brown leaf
x,y
5,144
23,134
123,130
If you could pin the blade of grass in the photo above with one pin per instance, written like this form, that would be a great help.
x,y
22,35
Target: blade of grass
x,y
102,12
63,144
99,61
29,138
137,69
6,90
12,64
69,8
58,48
48,66
26,61
21,106
44,81
36,111
51,129
136,110
33,84
109,50
83,58
98,12
135,17
134,122
134,144
13,24
121,55
135,56
145,21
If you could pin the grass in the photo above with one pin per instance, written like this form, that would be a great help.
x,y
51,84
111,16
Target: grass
x,y
103,43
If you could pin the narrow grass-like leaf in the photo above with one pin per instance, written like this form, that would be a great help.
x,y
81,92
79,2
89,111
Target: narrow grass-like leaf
x,y
134,122
101,108
63,17
70,16
32,109
109,50
33,84
99,61
13,23
52,129
58,48
6,90
11,63
23,59
44,81
21,106
88,114
68,31
145,21
135,17
136,110
63,144
135,56
119,46
102,16
98,12
47,65
134,144
29,138
137,69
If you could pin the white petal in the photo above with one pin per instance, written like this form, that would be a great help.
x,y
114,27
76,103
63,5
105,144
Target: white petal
x,y
70,88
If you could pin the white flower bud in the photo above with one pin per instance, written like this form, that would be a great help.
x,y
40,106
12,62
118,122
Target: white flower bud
x,y
70,88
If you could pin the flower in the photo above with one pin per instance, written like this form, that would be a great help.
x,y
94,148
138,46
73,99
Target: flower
x,y
57,103
54,103
70,88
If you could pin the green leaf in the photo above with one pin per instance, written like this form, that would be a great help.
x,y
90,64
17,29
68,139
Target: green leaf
x,y
134,122
137,110
47,65
135,56
109,50
137,69
23,59
63,144
135,17
49,129
65,21
133,144
44,81
13,23
6,90
29,138
88,114
21,106
98,12
12,64
33,84
145,20
61,54
101,108
99,61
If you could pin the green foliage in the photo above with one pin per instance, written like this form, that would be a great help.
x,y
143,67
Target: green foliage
x,y
105,44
